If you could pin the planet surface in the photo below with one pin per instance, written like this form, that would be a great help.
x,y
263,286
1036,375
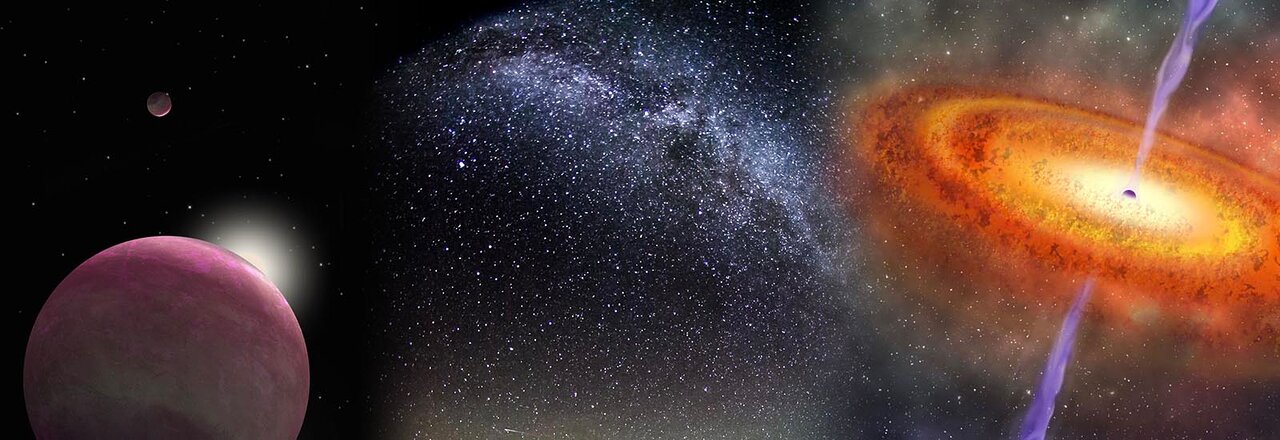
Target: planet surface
x,y
166,337
159,104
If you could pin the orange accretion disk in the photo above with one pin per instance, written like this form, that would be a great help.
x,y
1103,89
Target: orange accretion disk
x,y
1043,182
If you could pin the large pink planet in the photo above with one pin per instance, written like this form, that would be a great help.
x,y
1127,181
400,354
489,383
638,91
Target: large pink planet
x,y
166,338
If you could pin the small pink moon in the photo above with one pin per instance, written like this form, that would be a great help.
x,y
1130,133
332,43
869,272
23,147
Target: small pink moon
x,y
159,104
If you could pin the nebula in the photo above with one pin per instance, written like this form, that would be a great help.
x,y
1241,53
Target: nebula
x,y
1004,178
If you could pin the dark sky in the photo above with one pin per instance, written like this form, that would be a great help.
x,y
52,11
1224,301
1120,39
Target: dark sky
x,y
268,111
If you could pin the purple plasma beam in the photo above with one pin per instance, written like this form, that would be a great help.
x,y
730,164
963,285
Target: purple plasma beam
x,y
1037,421
1172,70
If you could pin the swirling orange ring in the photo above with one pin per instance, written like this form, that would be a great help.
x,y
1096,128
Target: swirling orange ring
x,y
1043,181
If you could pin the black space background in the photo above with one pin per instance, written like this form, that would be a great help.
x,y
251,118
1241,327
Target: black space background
x,y
260,91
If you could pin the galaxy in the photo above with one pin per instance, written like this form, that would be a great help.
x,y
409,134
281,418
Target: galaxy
x,y
600,219
646,204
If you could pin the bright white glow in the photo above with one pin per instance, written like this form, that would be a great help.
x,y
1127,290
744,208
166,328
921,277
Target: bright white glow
x,y
262,250
1157,206
270,243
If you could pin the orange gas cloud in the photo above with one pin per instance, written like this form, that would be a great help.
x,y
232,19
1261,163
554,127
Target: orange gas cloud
x,y
1022,195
